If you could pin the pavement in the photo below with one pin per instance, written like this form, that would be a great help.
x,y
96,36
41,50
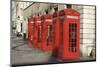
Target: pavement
x,y
22,53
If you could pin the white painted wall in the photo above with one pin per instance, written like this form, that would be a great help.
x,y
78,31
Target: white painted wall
x,y
13,16
18,26
87,31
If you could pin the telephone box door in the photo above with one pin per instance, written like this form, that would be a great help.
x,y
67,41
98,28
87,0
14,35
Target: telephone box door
x,y
47,33
30,30
73,20
73,38
37,32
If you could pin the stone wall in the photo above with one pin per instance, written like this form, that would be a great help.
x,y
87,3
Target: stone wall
x,y
87,31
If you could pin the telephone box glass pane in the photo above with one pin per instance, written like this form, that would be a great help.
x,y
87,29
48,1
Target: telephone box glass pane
x,y
72,37
39,33
49,34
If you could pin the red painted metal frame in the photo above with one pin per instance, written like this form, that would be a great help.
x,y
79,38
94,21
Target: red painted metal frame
x,y
56,21
30,30
36,42
47,45
64,52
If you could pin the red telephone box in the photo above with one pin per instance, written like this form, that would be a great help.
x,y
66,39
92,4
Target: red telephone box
x,y
70,34
37,32
30,30
56,22
47,33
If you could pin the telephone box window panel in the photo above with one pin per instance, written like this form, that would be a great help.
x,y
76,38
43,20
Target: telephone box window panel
x,y
52,33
